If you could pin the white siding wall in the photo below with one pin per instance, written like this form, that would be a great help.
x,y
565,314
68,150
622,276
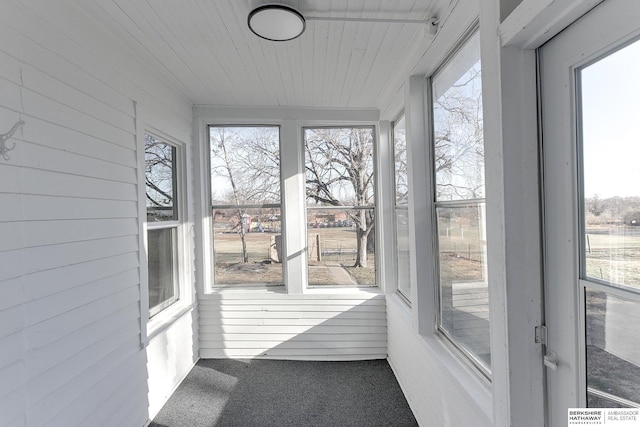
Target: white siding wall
x,y
439,391
272,325
70,309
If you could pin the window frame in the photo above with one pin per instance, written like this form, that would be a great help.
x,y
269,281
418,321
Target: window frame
x,y
403,207
174,224
464,355
374,207
211,254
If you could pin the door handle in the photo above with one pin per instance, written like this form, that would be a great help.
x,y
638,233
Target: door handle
x,y
551,361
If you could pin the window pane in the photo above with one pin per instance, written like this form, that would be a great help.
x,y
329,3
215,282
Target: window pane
x,y
339,172
339,166
402,252
610,129
339,254
245,173
400,156
160,179
457,115
245,165
163,286
613,350
464,296
248,246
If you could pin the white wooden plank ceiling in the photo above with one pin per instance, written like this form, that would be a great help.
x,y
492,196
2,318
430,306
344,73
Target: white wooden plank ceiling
x,y
204,49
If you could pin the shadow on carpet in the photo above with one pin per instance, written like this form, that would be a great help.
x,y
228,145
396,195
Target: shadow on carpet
x,y
261,393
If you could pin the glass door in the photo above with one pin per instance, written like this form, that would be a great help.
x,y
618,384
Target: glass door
x,y
591,162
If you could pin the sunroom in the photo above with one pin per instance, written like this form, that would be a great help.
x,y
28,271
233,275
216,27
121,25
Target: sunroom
x,y
439,184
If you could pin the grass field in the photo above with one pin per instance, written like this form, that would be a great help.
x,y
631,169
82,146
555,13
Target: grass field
x,y
337,246
613,255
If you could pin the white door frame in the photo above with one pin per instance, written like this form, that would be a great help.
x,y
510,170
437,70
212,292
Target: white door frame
x,y
611,24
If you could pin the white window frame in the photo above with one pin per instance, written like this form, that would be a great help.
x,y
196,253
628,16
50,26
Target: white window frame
x,y
462,354
151,325
376,201
404,207
209,203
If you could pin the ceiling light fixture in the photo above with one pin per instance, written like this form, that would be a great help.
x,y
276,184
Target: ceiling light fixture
x,y
276,22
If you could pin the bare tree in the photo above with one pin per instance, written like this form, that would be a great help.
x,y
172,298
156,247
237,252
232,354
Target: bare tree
x,y
339,172
159,178
245,163
459,144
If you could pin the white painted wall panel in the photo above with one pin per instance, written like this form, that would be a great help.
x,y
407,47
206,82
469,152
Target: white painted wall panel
x,y
275,325
439,390
71,334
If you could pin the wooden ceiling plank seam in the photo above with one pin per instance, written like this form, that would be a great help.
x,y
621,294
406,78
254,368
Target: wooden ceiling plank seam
x,y
258,54
334,44
131,26
220,36
367,64
319,59
168,23
384,63
87,47
343,58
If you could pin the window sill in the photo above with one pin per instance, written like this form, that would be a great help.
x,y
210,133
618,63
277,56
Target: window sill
x,y
163,320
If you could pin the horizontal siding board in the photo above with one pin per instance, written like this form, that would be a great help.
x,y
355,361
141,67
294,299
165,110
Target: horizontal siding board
x,y
12,265
12,236
57,408
33,156
12,378
296,308
13,406
10,95
222,354
11,207
39,360
44,207
373,352
55,377
12,320
13,294
30,181
12,349
49,282
9,68
123,367
41,335
45,308
56,256
274,325
61,138
300,302
45,233
320,329
216,313
47,109
301,345
376,321
43,84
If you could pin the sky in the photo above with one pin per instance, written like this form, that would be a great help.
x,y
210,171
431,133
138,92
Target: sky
x,y
611,124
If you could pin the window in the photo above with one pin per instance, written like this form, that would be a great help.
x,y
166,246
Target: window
x,y
163,218
245,201
340,206
401,208
458,156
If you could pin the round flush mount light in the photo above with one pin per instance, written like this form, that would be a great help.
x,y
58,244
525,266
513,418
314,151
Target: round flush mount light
x,y
276,22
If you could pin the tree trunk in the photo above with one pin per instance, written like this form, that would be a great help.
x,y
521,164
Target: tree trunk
x,y
361,236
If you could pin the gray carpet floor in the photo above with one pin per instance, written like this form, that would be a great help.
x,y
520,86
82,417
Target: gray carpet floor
x,y
262,393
